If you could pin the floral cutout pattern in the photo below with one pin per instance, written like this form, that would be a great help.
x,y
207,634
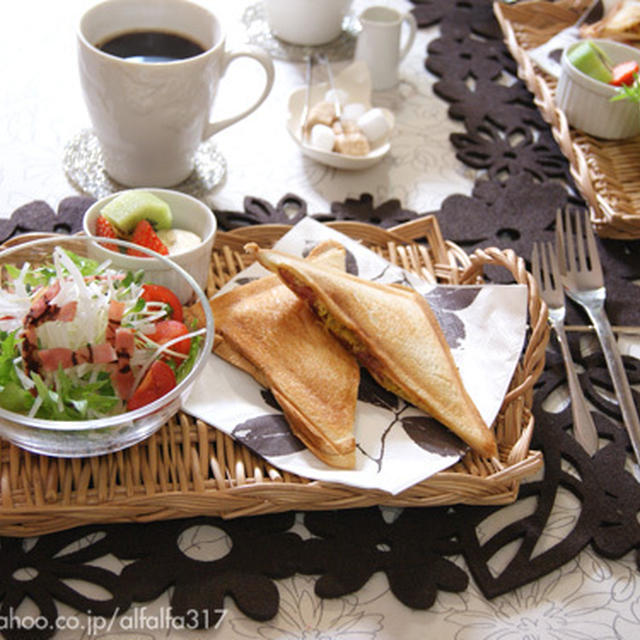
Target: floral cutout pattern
x,y
152,561
289,210
40,573
387,214
416,565
258,555
39,216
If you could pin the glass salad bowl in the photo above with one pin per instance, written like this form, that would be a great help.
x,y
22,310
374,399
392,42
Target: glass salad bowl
x,y
85,368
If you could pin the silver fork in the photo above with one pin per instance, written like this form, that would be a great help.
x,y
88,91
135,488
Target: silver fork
x,y
584,283
544,265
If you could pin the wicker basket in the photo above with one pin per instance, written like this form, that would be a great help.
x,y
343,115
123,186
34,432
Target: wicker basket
x,y
189,468
607,172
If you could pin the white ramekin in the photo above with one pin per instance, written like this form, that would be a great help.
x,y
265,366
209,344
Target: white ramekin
x,y
188,213
586,102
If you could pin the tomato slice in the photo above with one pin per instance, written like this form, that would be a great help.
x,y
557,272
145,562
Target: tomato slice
x,y
166,330
158,293
158,381
624,73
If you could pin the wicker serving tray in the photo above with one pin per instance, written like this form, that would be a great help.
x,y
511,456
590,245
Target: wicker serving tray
x,y
189,468
607,172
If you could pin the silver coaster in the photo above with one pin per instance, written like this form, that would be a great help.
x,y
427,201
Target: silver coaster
x,y
84,166
343,47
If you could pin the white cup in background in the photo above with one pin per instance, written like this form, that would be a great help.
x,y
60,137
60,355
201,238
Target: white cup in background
x,y
379,43
306,22
150,117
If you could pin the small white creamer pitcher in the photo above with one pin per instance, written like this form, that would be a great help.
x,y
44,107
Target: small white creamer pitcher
x,y
379,43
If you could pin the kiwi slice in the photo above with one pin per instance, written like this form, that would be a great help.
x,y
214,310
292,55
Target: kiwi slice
x,y
128,208
591,60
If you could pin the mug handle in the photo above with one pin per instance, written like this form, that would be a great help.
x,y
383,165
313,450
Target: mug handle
x,y
259,56
410,21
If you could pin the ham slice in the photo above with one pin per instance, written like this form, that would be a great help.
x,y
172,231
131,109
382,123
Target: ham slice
x,y
67,312
122,378
51,359
42,311
116,310
42,304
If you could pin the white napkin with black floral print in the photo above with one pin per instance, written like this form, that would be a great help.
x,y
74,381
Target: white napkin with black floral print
x,y
397,444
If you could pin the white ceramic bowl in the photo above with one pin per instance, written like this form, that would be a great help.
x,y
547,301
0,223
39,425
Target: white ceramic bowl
x,y
355,80
74,438
189,214
586,102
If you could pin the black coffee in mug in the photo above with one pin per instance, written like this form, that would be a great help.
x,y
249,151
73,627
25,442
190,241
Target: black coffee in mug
x,y
150,46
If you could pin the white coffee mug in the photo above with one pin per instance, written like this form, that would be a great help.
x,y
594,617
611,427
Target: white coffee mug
x,y
306,22
150,117
378,43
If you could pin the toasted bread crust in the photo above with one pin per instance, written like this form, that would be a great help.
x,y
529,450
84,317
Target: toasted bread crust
x,y
339,453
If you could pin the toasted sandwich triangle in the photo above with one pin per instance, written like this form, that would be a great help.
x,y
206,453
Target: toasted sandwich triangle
x,y
264,329
393,332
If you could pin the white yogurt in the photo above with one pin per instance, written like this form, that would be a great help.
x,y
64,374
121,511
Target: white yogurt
x,y
178,240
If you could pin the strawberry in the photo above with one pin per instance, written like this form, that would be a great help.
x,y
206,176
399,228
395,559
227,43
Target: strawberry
x,y
104,229
145,236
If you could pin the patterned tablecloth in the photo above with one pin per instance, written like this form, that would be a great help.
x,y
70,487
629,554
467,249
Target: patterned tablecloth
x,y
468,146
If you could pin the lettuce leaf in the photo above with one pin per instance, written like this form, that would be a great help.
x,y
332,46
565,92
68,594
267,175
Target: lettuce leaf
x,y
187,364
73,401
14,397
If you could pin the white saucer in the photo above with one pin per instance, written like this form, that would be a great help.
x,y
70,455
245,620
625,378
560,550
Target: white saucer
x,y
259,33
84,167
356,82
